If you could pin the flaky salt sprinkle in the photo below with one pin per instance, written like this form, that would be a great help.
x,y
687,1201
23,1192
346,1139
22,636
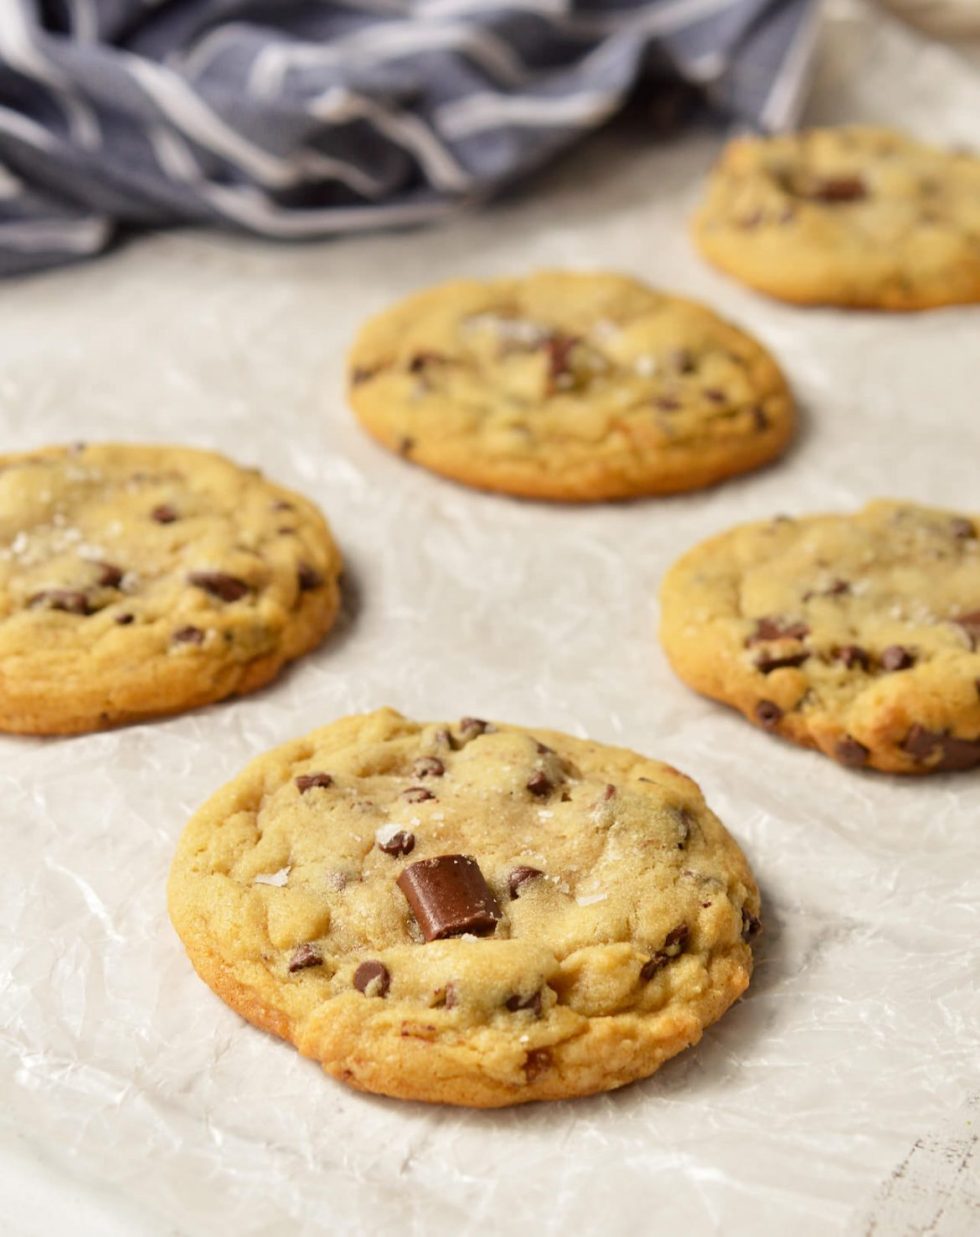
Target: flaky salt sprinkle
x,y
273,878
590,899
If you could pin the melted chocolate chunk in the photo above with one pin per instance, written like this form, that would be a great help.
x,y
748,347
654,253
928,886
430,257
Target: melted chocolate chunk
x,y
164,514
838,189
307,781
218,584
559,351
473,726
851,655
895,657
449,897
536,1063
768,714
428,766
110,576
519,878
188,635
850,752
539,784
309,578
962,529
417,794
373,975
305,956
760,419
673,945
767,664
400,843
954,755
422,360
770,628
751,926
124,619
71,601
533,1003
609,792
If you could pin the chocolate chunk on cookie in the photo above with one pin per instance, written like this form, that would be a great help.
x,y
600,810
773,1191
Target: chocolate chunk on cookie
x,y
158,575
517,950
882,674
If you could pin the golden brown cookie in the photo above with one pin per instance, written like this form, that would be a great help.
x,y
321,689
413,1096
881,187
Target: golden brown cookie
x,y
855,216
568,386
470,913
139,580
855,634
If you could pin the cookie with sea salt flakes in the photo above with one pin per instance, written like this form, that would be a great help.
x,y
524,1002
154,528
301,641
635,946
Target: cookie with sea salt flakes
x,y
855,216
466,913
139,580
855,634
566,386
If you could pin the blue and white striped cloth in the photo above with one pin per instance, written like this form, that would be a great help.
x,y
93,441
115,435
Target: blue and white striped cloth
x,y
304,118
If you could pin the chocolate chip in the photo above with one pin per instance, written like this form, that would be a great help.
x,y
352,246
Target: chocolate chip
x,y
309,578
400,843
218,584
422,360
769,628
609,792
406,445
559,350
428,766
963,530
850,752
543,749
768,714
895,657
473,726
449,897
673,945
188,635
539,784
110,576
451,998
124,619
954,754
164,514
537,1062
307,781
373,975
837,589
767,664
71,601
760,418
305,956
681,359
751,926
838,189
417,794
281,504
970,623
716,395
851,655
533,1003
519,878
364,373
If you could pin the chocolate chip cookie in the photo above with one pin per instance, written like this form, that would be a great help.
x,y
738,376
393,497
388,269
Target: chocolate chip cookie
x,y
568,386
138,580
855,634
466,913
856,216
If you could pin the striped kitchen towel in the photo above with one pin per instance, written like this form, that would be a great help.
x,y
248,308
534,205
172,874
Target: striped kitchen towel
x,y
305,118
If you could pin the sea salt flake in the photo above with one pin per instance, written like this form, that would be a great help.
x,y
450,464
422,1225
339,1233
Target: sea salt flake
x,y
273,878
590,899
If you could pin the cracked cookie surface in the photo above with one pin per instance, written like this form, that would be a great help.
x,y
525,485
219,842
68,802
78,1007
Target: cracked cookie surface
x,y
137,581
568,386
855,634
856,216
467,913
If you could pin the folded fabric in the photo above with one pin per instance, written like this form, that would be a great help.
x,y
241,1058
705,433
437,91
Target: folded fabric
x,y
305,118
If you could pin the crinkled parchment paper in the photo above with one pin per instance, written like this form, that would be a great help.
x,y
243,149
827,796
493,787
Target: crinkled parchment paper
x,y
134,1102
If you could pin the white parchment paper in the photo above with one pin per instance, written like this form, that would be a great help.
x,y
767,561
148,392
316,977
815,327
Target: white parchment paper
x,y
134,1102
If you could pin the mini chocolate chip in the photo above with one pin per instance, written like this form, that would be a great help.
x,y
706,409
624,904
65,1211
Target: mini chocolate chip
x,y
851,655
666,403
71,601
768,713
309,578
895,657
473,726
970,623
533,1003
218,584
428,766
164,514
417,794
769,628
124,619
307,781
751,925
372,974
767,664
850,752
305,956
963,530
188,635
449,897
955,755
400,843
838,189
539,784
110,576
519,878
537,1062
